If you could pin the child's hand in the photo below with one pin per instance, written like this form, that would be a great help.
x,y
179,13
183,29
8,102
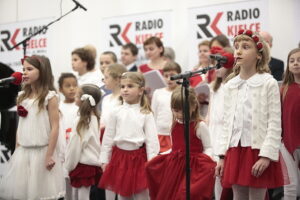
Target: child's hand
x,y
202,98
103,166
260,166
49,162
219,168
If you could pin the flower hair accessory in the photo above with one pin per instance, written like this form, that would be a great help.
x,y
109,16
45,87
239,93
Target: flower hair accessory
x,y
89,97
255,38
22,112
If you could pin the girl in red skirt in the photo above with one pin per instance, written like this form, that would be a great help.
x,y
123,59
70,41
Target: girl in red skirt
x,y
290,123
250,141
83,149
130,139
166,173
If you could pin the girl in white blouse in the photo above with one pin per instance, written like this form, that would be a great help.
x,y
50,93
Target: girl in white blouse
x,y
251,135
130,139
83,149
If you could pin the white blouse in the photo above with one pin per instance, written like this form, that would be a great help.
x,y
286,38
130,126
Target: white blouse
x,y
34,129
129,129
161,107
109,102
91,77
242,123
84,149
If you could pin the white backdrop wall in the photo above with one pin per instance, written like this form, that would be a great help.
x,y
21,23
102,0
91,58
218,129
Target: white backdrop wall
x,y
80,28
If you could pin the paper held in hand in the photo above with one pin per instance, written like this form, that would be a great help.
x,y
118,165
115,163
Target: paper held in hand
x,y
154,80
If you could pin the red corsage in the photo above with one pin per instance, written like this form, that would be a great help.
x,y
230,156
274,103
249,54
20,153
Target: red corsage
x,y
22,112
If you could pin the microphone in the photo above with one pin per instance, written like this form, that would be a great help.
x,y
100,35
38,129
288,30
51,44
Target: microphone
x,y
15,78
79,4
225,58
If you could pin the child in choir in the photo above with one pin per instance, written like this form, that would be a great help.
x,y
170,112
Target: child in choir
x,y
112,77
161,106
154,51
83,149
67,83
35,171
107,58
204,61
215,116
130,139
166,173
290,123
250,140
83,62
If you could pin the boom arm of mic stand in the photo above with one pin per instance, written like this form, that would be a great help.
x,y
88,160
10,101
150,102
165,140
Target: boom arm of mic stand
x,y
193,73
24,42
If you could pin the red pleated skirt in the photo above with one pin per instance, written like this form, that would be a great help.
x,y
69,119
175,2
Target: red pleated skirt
x,y
85,175
165,143
166,176
125,173
238,164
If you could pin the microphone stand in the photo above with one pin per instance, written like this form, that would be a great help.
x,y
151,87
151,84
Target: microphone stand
x,y
186,115
24,42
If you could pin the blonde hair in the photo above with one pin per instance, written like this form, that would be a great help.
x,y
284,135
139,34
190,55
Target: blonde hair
x,y
44,83
178,98
86,109
138,78
262,65
116,70
288,77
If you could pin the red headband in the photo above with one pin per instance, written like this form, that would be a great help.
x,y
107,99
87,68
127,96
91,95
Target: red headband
x,y
255,38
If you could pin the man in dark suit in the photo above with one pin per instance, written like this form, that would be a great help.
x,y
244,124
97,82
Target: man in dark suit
x,y
276,65
129,54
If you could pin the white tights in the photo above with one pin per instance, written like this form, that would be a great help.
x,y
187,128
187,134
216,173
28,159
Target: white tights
x,y
144,195
81,193
244,193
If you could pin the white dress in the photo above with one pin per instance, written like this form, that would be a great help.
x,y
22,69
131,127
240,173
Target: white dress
x,y
27,177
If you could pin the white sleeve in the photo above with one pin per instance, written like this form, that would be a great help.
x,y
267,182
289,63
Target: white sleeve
x,y
73,152
152,143
203,134
108,138
154,104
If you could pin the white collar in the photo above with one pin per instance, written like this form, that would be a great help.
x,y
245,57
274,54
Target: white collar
x,y
254,81
136,105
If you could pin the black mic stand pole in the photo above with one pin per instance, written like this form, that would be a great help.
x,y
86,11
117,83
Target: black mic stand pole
x,y
186,115
24,42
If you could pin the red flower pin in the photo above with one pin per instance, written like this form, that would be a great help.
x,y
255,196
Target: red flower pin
x,y
22,112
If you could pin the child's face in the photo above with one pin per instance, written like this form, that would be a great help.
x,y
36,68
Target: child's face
x,y
78,65
130,91
170,84
105,61
30,73
152,51
78,96
109,81
127,57
68,89
294,64
177,114
204,53
245,53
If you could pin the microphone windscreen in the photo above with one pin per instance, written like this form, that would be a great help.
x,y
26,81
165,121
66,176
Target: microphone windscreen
x,y
216,50
230,60
18,78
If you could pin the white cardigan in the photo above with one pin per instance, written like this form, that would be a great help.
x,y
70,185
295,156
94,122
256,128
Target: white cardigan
x,y
266,114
